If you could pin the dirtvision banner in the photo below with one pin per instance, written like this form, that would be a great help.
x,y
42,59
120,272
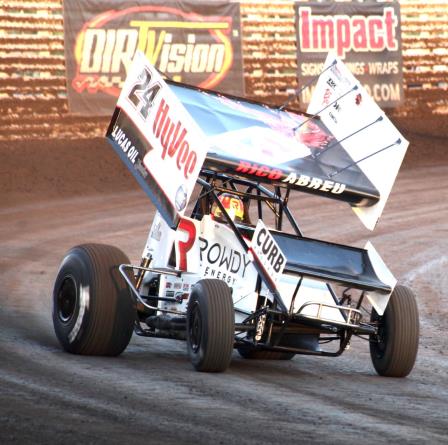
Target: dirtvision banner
x,y
365,35
195,42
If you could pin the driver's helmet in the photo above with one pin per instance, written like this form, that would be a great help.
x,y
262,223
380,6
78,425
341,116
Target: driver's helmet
x,y
233,205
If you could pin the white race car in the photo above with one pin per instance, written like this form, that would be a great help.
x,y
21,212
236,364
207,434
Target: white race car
x,y
237,272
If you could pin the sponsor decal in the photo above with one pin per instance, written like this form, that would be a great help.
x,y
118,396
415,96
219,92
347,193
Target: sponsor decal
x,y
187,226
268,251
327,97
260,327
125,143
258,170
156,232
181,198
222,262
140,169
174,140
323,185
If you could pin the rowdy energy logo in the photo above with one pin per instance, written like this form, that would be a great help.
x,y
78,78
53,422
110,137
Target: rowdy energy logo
x,y
343,33
175,42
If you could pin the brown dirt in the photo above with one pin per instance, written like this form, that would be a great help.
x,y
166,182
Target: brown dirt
x,y
54,196
48,169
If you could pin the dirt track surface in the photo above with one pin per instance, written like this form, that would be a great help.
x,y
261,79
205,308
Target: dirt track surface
x,y
151,394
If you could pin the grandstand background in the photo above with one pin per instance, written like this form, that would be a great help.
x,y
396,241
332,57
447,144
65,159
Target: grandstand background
x,y
33,102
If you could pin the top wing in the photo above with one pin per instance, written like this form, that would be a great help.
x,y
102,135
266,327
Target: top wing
x,y
166,132
275,146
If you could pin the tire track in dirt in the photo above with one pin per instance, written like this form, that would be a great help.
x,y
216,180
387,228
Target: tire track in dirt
x,y
152,392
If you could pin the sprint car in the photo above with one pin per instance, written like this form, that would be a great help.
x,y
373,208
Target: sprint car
x,y
253,283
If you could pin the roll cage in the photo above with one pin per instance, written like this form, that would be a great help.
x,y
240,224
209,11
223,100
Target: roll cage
x,y
213,183
277,318
306,258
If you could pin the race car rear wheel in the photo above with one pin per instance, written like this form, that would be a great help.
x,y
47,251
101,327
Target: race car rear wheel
x,y
394,349
210,326
93,310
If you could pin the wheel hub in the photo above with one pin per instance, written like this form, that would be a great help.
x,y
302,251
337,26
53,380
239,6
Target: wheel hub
x,y
66,299
195,328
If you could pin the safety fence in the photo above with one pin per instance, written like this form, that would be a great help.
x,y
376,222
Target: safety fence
x,y
33,96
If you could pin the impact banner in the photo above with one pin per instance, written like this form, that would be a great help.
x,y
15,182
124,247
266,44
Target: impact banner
x,y
195,42
365,35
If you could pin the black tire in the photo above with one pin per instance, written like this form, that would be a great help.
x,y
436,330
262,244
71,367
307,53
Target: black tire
x,y
394,350
93,309
210,326
260,354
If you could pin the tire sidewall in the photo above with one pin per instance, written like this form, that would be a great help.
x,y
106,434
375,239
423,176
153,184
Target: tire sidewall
x,y
395,354
381,359
196,303
71,332
210,344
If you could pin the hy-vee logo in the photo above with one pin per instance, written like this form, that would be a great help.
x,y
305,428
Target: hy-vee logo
x,y
173,138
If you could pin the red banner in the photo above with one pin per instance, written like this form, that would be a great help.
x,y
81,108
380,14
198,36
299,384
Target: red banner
x,y
365,35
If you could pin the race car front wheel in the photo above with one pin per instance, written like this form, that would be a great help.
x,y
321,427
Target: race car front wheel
x,y
210,326
93,310
394,349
